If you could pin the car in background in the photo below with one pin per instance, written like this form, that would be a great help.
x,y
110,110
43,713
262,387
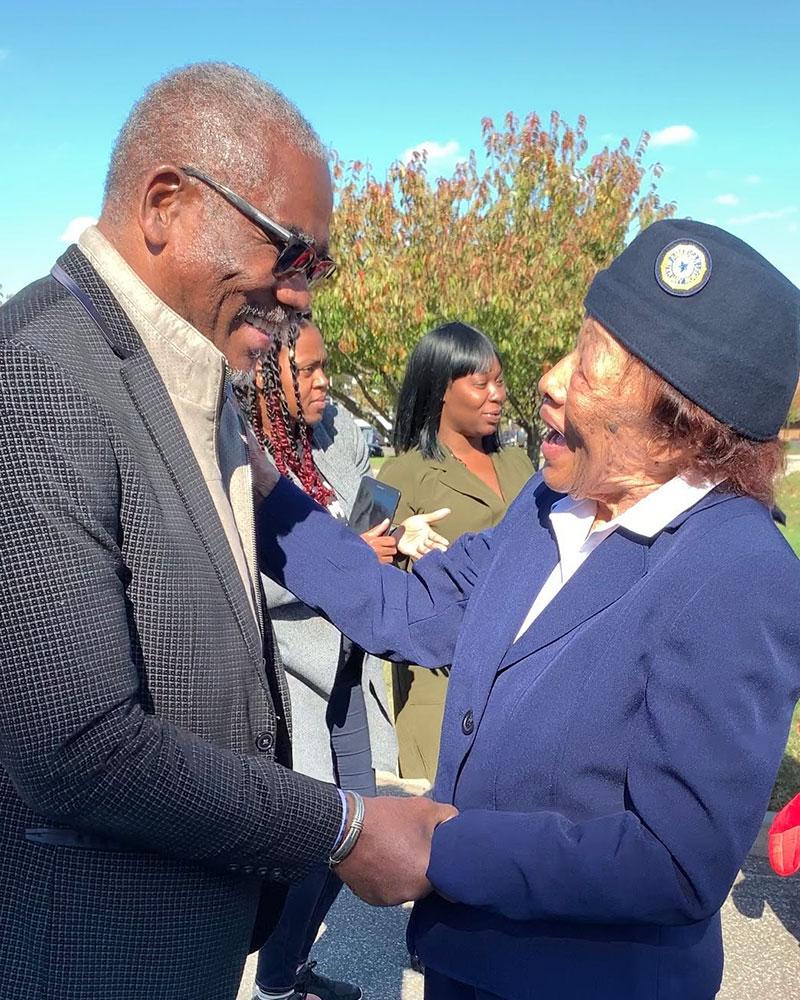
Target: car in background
x,y
373,439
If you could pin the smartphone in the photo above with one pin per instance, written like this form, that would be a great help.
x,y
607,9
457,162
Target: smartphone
x,y
374,502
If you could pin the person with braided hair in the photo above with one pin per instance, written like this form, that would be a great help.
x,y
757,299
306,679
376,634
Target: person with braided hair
x,y
341,722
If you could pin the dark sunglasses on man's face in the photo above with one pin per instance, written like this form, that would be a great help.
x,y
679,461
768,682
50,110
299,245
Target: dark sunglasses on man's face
x,y
295,254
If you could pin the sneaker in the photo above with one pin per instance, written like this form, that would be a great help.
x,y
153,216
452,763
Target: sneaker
x,y
294,995
317,985
262,995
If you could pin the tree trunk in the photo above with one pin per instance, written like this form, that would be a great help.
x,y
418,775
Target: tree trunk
x,y
534,443
352,405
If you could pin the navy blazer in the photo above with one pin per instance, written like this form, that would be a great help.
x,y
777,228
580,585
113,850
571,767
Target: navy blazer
x,y
612,767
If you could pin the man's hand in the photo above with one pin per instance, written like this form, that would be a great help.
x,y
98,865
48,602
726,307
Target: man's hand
x,y
383,545
388,865
418,537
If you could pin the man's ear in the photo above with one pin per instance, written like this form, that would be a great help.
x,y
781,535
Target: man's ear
x,y
166,193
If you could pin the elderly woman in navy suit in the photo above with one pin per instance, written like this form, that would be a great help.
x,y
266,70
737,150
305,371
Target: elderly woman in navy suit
x,y
625,643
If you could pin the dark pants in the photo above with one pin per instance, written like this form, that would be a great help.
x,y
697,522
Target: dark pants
x,y
308,902
438,987
289,945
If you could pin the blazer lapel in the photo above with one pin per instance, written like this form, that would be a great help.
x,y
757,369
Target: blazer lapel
x,y
152,402
457,477
517,574
154,406
608,573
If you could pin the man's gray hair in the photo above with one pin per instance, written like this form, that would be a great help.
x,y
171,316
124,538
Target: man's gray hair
x,y
211,115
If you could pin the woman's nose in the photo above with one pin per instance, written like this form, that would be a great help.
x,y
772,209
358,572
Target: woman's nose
x,y
554,381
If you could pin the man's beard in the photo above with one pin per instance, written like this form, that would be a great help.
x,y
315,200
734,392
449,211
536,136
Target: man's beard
x,y
276,322
281,324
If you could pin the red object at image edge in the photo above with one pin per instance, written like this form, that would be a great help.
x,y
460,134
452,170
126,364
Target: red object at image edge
x,y
784,839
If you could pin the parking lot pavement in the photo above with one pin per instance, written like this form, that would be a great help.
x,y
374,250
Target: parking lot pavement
x,y
761,927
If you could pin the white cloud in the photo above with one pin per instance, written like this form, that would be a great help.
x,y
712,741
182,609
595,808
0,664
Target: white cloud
x,y
752,179
673,135
75,227
434,150
792,227
778,213
726,199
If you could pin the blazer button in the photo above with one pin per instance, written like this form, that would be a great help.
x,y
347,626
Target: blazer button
x,y
264,742
468,723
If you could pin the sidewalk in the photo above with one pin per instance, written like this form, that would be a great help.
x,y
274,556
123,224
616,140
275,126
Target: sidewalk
x,y
792,463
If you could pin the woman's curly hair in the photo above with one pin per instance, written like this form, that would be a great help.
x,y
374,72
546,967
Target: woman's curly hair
x,y
708,448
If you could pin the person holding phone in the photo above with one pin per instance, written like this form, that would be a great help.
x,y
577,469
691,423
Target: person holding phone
x,y
341,724
448,455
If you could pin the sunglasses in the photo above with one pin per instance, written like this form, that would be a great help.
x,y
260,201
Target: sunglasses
x,y
295,254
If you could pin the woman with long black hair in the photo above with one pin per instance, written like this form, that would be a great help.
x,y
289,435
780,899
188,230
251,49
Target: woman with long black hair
x,y
448,455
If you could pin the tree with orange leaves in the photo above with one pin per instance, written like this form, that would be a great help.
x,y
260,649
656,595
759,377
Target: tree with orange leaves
x,y
510,248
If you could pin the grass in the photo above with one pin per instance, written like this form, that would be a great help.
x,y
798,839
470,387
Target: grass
x,y
376,463
789,502
788,780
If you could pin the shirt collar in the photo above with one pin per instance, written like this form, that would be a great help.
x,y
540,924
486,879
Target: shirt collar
x,y
192,368
647,517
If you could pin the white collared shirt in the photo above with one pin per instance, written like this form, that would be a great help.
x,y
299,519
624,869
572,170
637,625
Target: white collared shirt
x,y
572,522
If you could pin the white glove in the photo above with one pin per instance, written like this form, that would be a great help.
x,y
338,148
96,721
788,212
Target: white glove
x,y
418,537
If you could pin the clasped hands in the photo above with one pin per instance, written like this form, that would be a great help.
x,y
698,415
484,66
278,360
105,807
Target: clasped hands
x,y
390,860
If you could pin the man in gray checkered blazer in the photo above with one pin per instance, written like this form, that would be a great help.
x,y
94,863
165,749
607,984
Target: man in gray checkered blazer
x,y
148,818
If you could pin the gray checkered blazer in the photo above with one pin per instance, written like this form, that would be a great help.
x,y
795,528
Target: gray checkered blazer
x,y
146,825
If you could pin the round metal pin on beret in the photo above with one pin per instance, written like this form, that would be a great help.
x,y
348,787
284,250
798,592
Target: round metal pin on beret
x,y
683,267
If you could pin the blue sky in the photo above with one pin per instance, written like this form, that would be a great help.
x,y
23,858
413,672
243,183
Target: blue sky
x,y
717,82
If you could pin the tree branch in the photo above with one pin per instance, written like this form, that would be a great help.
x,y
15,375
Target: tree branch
x,y
351,404
382,411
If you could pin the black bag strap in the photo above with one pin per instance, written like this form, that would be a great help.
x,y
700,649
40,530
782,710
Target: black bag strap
x,y
61,276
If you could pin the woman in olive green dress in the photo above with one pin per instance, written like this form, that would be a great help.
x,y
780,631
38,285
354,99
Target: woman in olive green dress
x,y
448,455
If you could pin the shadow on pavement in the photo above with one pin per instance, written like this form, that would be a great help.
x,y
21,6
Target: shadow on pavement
x,y
367,946
761,886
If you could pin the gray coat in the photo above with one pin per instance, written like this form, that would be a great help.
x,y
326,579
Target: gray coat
x,y
309,645
144,811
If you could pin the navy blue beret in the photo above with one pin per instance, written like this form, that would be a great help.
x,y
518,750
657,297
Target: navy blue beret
x,y
711,316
